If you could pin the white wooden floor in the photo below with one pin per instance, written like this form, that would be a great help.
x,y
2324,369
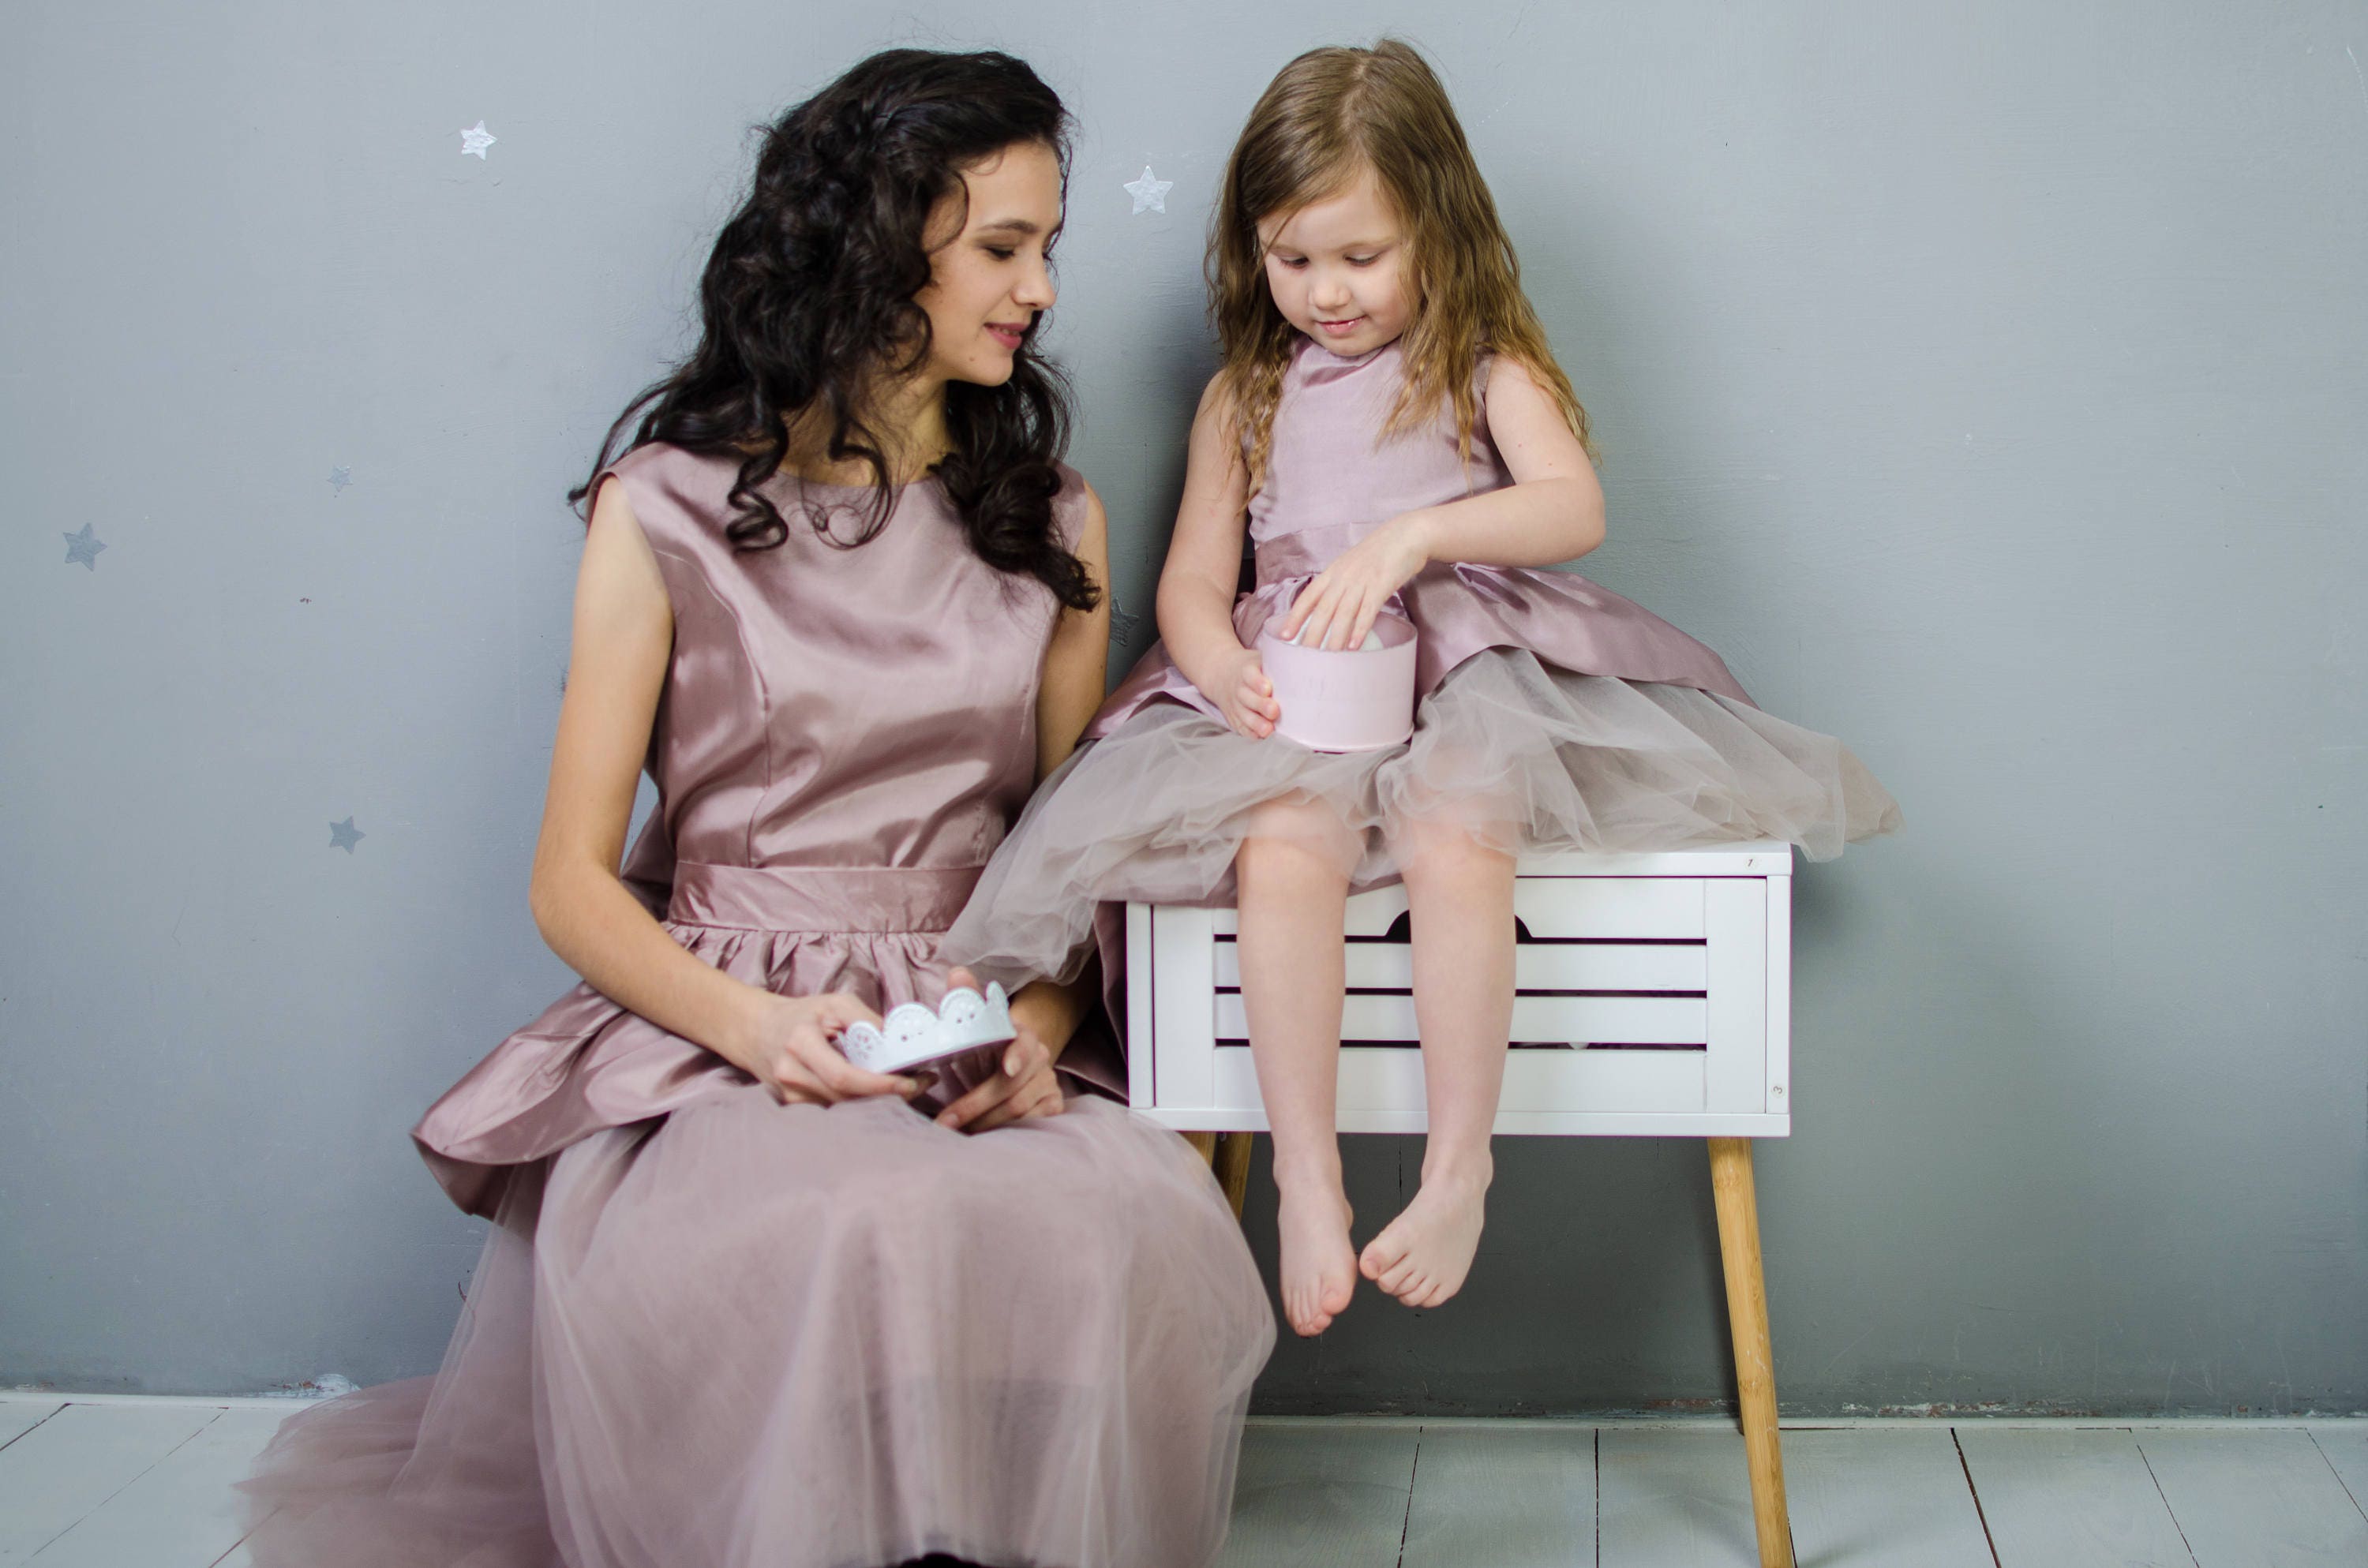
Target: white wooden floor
x,y
146,1485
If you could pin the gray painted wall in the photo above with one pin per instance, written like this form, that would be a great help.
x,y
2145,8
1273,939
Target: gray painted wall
x,y
1986,386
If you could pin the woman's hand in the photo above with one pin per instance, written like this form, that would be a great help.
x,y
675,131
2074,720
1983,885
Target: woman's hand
x,y
1340,603
1023,1085
793,1052
1245,696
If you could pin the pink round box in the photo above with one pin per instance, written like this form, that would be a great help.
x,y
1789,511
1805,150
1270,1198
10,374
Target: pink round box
x,y
1344,698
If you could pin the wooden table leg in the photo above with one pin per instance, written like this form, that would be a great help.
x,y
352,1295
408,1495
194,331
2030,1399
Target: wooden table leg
x,y
1755,1368
1232,1166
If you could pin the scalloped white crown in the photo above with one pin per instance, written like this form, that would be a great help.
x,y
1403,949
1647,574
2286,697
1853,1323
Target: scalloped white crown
x,y
914,1033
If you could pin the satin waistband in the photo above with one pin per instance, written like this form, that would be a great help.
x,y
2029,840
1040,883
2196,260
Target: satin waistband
x,y
1306,551
821,898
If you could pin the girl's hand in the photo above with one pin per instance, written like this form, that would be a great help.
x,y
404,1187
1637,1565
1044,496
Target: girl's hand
x,y
1023,1085
794,1057
1340,603
1245,696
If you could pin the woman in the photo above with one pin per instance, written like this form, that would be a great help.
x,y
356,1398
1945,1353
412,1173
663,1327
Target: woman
x,y
744,1304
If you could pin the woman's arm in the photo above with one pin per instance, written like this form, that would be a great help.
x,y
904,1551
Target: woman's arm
x,y
1551,512
623,637
1203,573
1076,663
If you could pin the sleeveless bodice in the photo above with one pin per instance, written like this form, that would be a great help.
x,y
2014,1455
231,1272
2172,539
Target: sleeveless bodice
x,y
873,705
1331,478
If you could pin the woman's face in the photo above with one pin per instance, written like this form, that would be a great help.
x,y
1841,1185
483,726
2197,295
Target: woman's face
x,y
1335,270
988,279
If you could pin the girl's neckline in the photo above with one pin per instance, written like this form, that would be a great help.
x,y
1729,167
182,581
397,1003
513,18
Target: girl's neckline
x,y
1320,351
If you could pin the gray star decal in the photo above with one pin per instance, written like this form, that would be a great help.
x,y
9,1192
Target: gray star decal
x,y
1123,621
344,835
339,478
84,547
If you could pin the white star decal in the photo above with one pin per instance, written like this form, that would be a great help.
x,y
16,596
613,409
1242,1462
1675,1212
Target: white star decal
x,y
476,140
1149,192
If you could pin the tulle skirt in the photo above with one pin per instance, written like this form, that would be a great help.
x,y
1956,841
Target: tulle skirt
x,y
754,1335
1524,756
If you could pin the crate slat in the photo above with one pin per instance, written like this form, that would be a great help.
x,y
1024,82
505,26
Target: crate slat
x,y
1386,1080
1659,908
1537,1020
1537,966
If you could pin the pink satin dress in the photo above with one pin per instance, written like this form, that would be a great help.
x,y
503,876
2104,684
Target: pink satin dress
x,y
1553,713
710,1329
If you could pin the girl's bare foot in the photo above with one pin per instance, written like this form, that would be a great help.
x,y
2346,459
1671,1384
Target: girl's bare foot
x,y
1422,1256
1318,1266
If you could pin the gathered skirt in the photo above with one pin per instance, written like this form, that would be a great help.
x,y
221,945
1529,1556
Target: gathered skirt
x,y
1525,756
709,1329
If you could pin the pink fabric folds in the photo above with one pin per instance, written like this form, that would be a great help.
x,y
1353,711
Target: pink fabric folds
x,y
779,1336
587,1063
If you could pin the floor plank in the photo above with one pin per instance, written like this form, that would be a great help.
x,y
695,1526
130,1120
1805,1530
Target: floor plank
x,y
2346,1448
59,1471
1503,1498
1881,1499
181,1512
1673,1499
2079,1498
2256,1499
20,1416
1321,1497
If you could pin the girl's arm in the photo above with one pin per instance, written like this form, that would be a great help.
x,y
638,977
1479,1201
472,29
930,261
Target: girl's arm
x,y
1203,573
1551,512
1076,665
623,637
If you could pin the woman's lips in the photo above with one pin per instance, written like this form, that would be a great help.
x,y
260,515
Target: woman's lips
x,y
1008,336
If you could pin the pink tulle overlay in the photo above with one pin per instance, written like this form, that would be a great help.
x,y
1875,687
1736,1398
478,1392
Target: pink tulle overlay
x,y
1523,756
751,1334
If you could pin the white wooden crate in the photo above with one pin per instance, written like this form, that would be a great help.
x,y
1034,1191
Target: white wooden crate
x,y
1653,998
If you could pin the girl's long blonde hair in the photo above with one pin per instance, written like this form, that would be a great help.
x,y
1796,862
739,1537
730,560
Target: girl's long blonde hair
x,y
1327,116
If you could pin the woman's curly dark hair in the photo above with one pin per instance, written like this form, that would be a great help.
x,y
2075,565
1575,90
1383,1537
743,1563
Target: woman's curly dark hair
x,y
809,294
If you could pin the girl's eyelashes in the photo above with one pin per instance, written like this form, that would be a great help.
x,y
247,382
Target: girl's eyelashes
x,y
1296,262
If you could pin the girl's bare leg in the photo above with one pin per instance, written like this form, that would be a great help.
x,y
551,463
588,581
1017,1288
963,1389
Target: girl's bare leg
x,y
1293,877
1460,895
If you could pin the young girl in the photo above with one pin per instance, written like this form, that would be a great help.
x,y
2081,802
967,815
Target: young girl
x,y
1390,424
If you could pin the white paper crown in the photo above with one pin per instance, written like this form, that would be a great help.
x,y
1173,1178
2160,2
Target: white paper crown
x,y
916,1034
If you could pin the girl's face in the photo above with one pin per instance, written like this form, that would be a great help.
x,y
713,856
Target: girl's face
x,y
989,278
1335,268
